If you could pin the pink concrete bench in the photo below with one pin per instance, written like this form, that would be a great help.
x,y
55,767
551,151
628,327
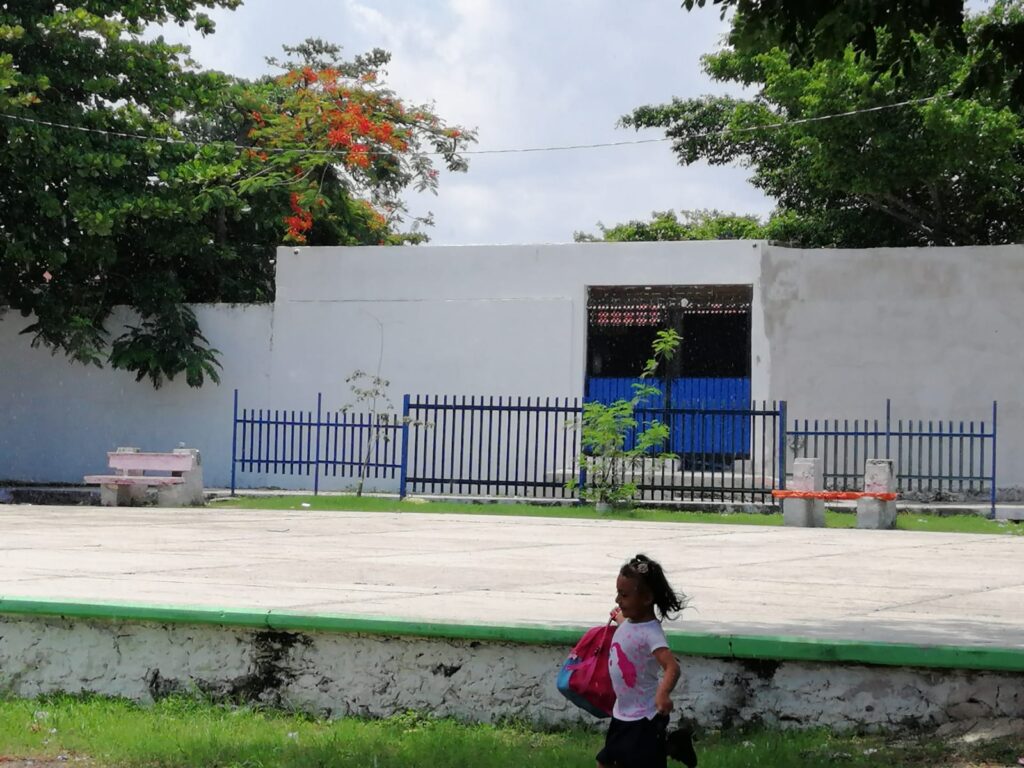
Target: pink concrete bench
x,y
181,483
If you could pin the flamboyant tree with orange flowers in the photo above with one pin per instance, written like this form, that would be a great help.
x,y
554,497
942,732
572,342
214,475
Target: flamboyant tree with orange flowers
x,y
134,179
345,148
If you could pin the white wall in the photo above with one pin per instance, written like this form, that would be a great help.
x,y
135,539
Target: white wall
x,y
833,332
508,320
58,420
472,320
940,331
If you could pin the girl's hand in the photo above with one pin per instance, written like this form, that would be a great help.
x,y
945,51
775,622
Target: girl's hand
x,y
616,615
663,703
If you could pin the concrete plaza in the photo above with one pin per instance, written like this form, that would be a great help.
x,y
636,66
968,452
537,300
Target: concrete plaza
x,y
823,584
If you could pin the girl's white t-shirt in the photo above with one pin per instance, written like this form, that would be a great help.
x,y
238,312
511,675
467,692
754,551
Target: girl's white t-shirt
x,y
634,670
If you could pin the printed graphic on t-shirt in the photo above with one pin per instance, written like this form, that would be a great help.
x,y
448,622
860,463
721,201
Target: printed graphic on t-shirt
x,y
626,667
634,670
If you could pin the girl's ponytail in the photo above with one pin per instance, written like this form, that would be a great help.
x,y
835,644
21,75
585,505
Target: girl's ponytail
x,y
650,574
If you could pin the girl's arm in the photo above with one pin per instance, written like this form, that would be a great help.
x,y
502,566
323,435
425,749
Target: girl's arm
x,y
669,678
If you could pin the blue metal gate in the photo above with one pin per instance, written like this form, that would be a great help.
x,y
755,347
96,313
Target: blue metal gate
x,y
702,413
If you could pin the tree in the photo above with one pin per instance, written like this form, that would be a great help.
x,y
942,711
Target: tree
x,y
941,170
689,225
93,216
344,147
825,29
88,222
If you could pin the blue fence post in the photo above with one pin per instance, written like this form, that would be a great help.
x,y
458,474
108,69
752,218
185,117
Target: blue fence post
x,y
782,445
316,460
403,471
234,442
992,511
888,426
580,456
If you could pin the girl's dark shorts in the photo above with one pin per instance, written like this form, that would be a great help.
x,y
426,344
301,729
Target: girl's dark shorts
x,y
635,743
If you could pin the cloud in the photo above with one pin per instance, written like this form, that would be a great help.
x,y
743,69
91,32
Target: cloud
x,y
529,73
491,206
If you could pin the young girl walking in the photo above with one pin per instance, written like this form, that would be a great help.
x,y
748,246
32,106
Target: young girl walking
x,y
637,734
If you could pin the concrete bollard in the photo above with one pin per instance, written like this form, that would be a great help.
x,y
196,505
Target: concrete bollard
x,y
805,513
877,514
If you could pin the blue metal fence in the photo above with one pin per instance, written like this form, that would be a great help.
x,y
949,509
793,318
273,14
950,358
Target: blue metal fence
x,y
530,447
932,458
733,452
494,446
314,443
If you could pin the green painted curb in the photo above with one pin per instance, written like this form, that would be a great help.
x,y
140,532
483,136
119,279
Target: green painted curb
x,y
765,648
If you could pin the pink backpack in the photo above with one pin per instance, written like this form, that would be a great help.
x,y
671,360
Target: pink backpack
x,y
584,679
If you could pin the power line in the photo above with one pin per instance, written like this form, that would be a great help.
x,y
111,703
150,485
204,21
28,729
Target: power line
x,y
719,132
505,151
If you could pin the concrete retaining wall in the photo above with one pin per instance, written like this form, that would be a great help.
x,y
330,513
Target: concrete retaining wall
x,y
340,674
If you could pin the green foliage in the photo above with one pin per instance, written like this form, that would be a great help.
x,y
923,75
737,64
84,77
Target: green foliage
x,y
824,29
163,346
912,30
948,171
605,428
94,218
689,225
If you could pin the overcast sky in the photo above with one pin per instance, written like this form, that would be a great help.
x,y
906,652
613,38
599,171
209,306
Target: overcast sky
x,y
525,73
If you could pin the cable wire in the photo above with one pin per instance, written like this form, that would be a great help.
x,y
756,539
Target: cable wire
x,y
503,151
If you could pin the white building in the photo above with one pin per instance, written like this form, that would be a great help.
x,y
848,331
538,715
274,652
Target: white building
x,y
833,332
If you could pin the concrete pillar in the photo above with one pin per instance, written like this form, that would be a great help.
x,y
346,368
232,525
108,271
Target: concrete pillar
x,y
188,493
805,513
123,495
877,514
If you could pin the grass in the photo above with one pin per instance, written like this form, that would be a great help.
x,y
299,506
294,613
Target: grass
x,y
908,521
185,731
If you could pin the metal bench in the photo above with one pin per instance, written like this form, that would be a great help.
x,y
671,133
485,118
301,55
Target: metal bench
x,y
181,483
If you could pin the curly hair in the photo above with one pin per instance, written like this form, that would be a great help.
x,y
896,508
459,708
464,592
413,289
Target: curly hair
x,y
650,575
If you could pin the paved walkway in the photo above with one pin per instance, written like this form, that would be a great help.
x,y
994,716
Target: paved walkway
x,y
885,586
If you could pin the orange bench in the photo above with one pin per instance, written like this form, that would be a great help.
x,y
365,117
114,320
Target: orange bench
x,y
834,495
